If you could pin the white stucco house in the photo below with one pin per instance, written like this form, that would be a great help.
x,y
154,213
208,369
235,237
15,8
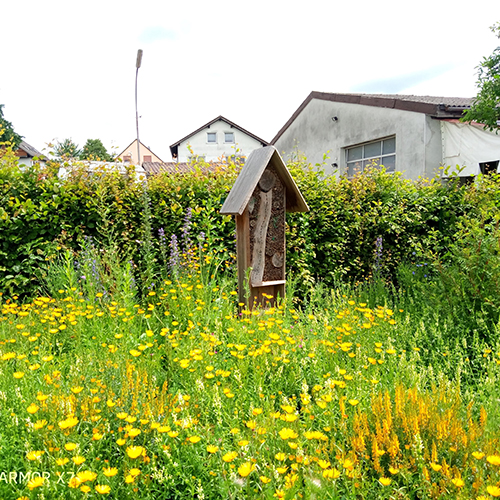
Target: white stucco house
x,y
415,135
219,138
28,155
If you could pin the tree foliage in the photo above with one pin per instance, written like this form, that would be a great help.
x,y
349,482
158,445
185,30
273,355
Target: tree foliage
x,y
7,133
66,150
486,106
94,150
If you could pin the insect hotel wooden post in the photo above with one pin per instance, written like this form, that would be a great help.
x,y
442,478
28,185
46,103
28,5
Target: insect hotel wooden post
x,y
262,193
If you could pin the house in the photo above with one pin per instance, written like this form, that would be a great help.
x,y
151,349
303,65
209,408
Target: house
x,y
415,135
216,139
28,155
129,154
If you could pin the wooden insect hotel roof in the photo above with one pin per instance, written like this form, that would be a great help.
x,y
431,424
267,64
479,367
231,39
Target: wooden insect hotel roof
x,y
251,173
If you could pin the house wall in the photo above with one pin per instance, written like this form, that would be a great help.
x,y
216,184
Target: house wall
x,y
144,151
214,151
314,133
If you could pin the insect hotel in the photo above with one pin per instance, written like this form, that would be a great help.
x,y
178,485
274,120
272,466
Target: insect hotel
x,y
262,193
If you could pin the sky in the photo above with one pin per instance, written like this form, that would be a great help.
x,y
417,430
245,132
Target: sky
x,y
68,68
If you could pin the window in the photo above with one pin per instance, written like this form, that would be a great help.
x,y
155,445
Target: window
x,y
211,137
489,167
371,154
147,158
196,158
229,137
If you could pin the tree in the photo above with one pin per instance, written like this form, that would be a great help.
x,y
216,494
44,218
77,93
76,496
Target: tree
x,y
7,133
94,150
66,149
485,108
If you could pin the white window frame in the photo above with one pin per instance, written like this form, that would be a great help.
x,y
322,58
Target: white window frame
x,y
215,135
228,142
352,167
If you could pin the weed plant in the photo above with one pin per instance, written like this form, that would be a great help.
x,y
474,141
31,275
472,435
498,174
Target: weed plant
x,y
188,394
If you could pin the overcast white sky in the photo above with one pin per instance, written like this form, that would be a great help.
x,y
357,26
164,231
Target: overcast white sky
x,y
68,68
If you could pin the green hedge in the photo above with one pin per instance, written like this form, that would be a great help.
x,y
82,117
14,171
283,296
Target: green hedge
x,y
335,242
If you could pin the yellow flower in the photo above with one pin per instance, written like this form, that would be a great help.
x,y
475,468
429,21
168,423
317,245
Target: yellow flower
x,y
212,448
129,479
18,374
353,402
230,456
194,439
257,411
103,489
36,482
478,455
39,424
264,479
243,442
493,459
134,432
120,442
494,491
85,488
286,433
68,423
77,390
234,431
32,408
97,436
135,353
173,434
110,471
251,424
70,446
34,455
245,469
280,456
393,470
324,464
86,475
122,415
385,481
74,482
331,474
458,482
135,451
62,461
436,467
78,459
281,470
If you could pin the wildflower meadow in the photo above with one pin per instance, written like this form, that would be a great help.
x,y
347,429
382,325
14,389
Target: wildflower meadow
x,y
164,386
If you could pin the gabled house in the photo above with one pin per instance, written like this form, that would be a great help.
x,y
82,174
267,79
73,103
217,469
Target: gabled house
x,y
28,154
129,154
216,139
415,135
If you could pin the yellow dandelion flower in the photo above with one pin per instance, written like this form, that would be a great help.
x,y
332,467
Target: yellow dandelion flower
x,y
478,455
353,402
129,479
251,424
70,446
121,441
103,489
245,469
493,459
62,461
234,431
436,467
282,470
173,434
494,491
458,482
40,424
85,488
86,475
134,472
78,459
393,470
286,433
135,451
230,456
324,464
331,473
212,448
36,482
34,455
264,479
135,353
194,439
77,390
385,481
74,482
18,374
243,442
68,423
32,408
280,456
110,471
134,432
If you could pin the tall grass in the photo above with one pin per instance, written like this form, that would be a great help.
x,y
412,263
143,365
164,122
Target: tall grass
x,y
178,392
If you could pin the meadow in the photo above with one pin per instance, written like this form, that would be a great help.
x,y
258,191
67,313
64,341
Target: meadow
x,y
188,394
